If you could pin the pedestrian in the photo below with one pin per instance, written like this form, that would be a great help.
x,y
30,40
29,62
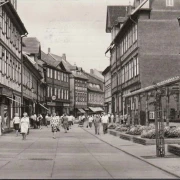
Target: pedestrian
x,y
65,122
54,124
112,118
117,119
105,123
70,121
39,119
16,123
97,121
90,120
47,119
35,121
0,125
24,125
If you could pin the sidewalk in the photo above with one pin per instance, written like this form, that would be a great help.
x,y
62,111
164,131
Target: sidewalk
x,y
170,163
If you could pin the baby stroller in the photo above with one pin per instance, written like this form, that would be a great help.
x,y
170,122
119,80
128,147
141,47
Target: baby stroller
x,y
81,123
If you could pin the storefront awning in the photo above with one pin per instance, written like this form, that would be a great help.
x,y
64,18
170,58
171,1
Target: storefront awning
x,y
81,110
14,100
96,109
44,107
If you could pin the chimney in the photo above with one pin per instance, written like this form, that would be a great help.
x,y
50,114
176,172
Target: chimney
x,y
64,56
49,50
91,71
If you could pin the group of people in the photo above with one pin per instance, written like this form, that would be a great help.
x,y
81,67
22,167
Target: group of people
x,y
97,120
57,121
21,125
36,121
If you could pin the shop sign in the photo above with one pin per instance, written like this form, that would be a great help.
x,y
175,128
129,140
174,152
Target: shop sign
x,y
53,98
66,105
51,103
6,92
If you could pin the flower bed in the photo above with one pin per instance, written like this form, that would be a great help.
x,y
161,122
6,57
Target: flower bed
x,y
112,126
138,129
168,133
122,128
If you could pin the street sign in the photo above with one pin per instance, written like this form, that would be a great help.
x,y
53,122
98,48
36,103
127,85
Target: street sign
x,y
53,97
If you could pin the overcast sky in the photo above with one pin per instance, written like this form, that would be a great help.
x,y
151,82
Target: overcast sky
x,y
73,27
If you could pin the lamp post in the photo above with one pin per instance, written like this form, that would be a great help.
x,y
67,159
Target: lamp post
x,y
159,123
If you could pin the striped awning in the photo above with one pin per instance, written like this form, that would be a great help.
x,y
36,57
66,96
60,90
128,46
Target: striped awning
x,y
81,110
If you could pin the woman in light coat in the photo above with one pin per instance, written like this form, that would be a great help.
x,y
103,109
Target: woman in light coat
x,y
24,125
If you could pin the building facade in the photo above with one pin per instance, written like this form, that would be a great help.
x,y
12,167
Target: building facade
x,y
107,89
11,30
33,90
57,85
95,92
141,52
78,86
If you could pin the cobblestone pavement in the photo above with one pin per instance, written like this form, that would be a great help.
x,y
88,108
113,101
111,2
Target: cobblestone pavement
x,y
76,154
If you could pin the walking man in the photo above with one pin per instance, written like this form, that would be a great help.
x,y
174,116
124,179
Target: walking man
x,y
65,122
105,123
97,121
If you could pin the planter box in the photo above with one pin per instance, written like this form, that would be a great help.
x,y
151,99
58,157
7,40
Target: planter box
x,y
174,149
144,141
126,136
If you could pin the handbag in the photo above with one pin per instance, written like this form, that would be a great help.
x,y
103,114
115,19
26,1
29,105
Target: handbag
x,y
68,128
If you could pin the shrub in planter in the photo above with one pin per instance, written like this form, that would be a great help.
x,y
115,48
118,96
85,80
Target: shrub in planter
x,y
111,126
150,134
122,128
135,130
172,132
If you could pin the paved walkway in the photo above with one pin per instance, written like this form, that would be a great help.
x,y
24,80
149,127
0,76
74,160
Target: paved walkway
x,y
170,164
77,154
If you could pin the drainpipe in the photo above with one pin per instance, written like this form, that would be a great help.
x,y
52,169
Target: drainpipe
x,y
22,65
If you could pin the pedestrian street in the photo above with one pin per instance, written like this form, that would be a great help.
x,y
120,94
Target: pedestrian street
x,y
76,154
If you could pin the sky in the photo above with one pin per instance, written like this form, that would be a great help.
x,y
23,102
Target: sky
x,y
73,27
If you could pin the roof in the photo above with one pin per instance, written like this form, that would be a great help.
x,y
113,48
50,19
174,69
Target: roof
x,y
93,78
79,76
95,89
113,12
31,45
49,59
106,70
128,19
66,64
16,18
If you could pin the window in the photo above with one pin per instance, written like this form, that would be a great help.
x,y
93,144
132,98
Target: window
x,y
67,76
62,75
62,93
48,92
67,94
51,93
59,93
169,2
55,74
136,66
47,72
58,74
55,91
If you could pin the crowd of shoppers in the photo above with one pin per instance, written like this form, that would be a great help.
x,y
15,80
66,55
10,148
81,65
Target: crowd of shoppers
x,y
98,119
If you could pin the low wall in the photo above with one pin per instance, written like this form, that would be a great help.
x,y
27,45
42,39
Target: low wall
x,y
174,149
144,141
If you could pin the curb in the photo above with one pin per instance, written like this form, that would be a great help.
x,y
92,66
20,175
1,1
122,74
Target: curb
x,y
137,157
